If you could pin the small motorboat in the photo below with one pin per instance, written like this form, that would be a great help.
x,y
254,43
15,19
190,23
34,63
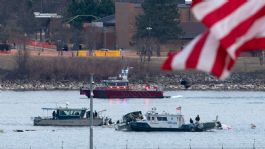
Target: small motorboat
x,y
154,121
68,117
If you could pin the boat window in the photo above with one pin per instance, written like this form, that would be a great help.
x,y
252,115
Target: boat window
x,y
162,118
62,113
148,118
70,112
153,118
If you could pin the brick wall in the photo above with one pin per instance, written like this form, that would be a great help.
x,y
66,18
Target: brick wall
x,y
186,14
125,14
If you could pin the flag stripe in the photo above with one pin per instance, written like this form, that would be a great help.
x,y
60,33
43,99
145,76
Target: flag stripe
x,y
219,64
179,60
202,62
254,44
226,25
195,2
193,58
251,33
167,65
208,54
234,26
220,13
206,7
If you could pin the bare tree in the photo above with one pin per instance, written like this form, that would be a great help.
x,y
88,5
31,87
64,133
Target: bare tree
x,y
22,59
92,37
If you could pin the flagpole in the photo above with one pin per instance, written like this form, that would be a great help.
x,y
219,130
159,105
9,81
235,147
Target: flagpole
x,y
91,112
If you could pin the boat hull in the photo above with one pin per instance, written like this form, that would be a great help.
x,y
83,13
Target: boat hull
x,y
142,126
38,121
122,93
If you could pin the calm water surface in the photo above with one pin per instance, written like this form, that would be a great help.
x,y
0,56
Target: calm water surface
x,y
236,109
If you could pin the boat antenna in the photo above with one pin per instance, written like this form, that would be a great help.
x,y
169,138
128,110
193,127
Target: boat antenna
x,y
62,145
254,144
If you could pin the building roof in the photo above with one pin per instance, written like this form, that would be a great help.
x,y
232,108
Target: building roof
x,y
191,29
108,20
141,1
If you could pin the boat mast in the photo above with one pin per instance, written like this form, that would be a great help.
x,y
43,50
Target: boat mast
x,y
91,111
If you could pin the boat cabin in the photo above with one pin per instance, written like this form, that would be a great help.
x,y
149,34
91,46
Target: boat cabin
x,y
115,82
120,81
165,118
70,113
67,113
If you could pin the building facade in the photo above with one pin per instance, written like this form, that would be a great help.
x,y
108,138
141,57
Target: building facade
x,y
126,12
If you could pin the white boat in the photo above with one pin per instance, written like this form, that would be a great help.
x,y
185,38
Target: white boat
x,y
154,121
68,117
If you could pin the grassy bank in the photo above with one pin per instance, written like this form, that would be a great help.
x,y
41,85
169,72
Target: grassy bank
x,y
76,68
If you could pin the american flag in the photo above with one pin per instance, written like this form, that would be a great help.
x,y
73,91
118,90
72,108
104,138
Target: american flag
x,y
178,108
233,26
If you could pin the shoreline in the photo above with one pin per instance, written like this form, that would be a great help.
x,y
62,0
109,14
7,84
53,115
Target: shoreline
x,y
19,85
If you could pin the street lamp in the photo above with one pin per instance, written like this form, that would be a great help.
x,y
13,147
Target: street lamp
x,y
149,42
149,31
25,38
148,28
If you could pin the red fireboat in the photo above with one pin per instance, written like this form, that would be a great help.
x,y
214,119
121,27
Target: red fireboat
x,y
118,87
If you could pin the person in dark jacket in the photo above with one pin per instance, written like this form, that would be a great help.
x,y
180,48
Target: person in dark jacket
x,y
96,114
191,121
197,118
53,115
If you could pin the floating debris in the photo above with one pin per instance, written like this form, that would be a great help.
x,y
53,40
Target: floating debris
x,y
18,130
253,126
29,130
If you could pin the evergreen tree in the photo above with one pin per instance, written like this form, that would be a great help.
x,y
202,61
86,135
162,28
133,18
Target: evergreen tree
x,y
105,8
94,8
159,21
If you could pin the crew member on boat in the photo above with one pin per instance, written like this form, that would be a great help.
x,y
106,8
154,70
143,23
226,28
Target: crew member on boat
x,y
191,121
53,115
96,114
197,119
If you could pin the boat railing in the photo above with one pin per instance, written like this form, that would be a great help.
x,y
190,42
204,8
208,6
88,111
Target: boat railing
x,y
43,117
145,87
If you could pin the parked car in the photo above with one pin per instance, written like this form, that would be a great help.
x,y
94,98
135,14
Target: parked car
x,y
4,47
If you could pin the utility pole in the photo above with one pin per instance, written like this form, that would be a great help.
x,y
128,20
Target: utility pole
x,y
91,111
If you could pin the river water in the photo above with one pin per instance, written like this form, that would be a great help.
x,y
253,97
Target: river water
x,y
234,108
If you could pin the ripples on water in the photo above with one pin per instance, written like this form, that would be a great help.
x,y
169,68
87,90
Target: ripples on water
x,y
236,109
